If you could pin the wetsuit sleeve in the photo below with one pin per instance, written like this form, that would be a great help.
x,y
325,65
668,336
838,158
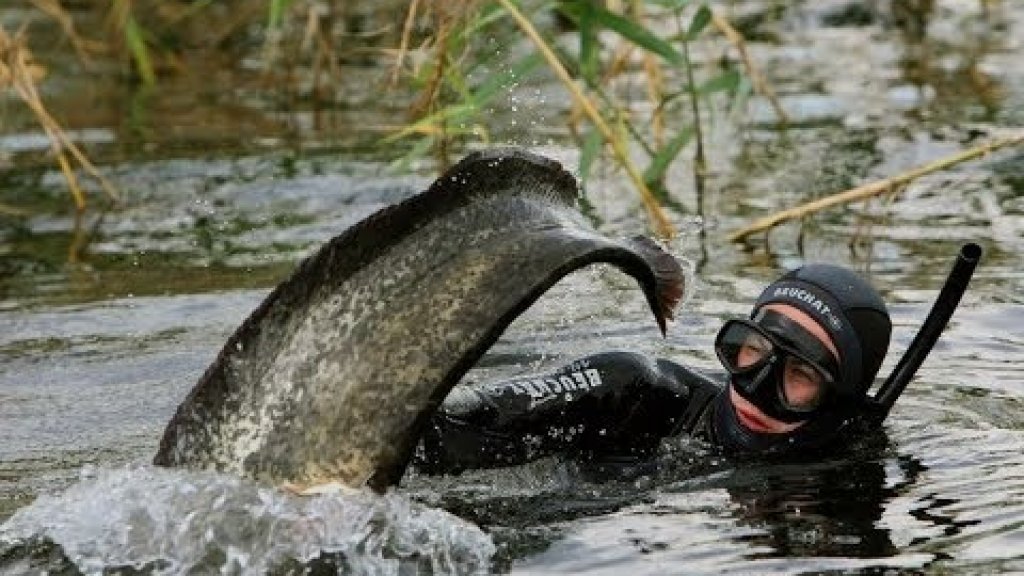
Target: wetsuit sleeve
x,y
612,403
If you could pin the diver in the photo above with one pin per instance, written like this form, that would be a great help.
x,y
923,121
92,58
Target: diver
x,y
797,375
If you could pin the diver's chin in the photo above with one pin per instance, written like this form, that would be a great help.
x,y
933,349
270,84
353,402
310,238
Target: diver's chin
x,y
753,419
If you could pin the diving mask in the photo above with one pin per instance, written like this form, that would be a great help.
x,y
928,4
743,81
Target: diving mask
x,y
778,365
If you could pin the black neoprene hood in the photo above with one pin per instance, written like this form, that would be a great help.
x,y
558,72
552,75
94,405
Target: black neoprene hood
x,y
849,309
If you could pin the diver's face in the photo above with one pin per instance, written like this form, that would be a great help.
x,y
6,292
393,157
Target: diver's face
x,y
800,384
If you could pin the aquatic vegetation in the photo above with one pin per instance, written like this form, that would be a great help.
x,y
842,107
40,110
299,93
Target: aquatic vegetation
x,y
889,185
467,71
453,60
20,73
592,76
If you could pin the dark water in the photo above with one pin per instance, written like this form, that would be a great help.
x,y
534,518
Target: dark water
x,y
109,319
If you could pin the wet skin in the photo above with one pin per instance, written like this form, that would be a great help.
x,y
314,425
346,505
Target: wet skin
x,y
798,386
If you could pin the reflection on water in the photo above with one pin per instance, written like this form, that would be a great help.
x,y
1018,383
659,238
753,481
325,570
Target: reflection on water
x,y
873,512
108,321
829,509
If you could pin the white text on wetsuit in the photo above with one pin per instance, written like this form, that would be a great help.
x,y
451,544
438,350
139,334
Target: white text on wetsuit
x,y
538,388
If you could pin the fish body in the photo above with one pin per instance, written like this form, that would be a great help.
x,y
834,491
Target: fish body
x,y
334,376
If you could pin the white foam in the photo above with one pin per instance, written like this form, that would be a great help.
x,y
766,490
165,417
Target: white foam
x,y
175,521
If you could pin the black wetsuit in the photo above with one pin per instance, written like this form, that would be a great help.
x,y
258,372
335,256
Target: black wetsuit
x,y
621,404
614,404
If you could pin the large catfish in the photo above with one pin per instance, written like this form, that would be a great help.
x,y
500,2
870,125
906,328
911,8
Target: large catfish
x,y
333,377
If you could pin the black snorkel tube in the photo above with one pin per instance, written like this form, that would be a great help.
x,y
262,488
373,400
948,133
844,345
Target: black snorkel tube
x,y
938,317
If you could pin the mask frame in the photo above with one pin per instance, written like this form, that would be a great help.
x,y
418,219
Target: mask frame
x,y
782,345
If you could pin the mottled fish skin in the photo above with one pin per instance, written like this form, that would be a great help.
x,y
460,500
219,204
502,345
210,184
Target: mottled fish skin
x,y
333,377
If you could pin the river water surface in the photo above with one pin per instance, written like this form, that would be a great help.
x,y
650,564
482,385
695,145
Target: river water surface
x,y
108,320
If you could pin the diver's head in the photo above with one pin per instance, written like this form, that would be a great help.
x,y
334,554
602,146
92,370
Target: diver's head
x,y
801,365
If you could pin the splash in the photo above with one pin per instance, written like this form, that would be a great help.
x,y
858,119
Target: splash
x,y
167,521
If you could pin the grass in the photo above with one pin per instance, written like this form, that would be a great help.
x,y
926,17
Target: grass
x,y
589,77
441,57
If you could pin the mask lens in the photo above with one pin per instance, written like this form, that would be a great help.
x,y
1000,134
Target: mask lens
x,y
803,384
742,348
777,366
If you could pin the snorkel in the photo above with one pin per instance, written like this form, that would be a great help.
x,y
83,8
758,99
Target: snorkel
x,y
942,310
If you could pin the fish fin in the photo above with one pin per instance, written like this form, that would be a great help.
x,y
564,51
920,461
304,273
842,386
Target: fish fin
x,y
669,279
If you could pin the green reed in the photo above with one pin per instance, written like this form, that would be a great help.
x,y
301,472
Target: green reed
x,y
458,74
590,75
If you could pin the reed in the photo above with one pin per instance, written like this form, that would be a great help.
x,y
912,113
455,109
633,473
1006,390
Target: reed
x,y
135,40
891,185
20,73
442,58
590,77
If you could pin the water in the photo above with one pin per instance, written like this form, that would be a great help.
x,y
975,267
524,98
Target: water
x,y
109,319
171,522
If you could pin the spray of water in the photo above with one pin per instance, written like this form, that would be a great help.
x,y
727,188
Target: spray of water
x,y
169,521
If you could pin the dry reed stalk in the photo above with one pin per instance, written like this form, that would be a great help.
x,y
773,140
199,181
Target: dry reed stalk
x,y
403,47
662,226
655,83
82,47
656,94
317,39
761,85
19,72
873,188
431,96
447,16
